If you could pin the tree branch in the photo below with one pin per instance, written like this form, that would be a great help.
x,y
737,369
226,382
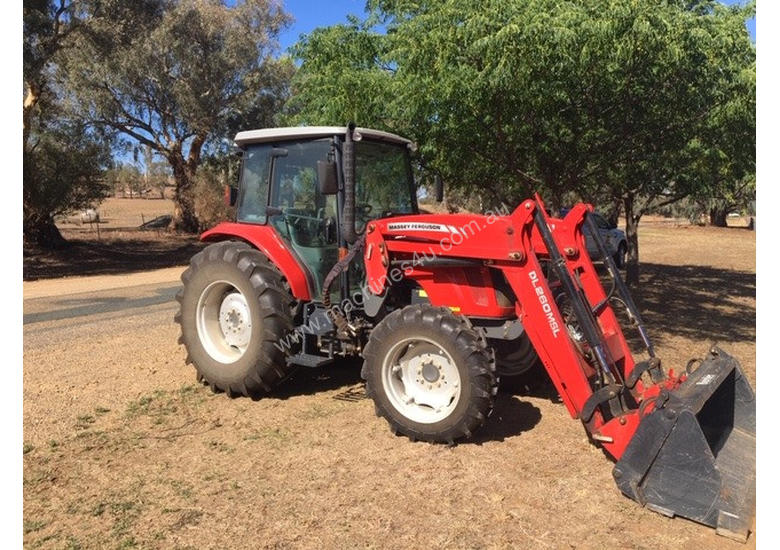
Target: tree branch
x,y
130,132
646,208
136,122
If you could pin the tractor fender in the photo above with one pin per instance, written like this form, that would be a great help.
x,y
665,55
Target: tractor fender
x,y
266,240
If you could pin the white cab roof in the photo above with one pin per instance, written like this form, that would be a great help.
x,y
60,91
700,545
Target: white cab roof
x,y
311,132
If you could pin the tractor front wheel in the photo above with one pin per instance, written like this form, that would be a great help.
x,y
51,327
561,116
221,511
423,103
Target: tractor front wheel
x,y
235,318
431,375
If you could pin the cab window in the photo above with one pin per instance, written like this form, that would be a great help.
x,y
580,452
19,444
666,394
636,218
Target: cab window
x,y
383,184
254,184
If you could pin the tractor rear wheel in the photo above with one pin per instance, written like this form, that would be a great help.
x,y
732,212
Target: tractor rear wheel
x,y
514,358
235,317
431,375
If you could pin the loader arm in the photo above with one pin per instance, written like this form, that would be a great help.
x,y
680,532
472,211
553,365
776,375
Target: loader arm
x,y
651,420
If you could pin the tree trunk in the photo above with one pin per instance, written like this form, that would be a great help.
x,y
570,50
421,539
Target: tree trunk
x,y
30,101
718,216
612,213
41,231
556,201
184,217
632,238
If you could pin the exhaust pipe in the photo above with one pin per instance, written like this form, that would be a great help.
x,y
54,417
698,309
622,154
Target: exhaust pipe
x,y
694,455
348,210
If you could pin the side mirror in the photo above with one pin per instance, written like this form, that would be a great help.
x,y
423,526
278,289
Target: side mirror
x,y
231,195
327,178
439,185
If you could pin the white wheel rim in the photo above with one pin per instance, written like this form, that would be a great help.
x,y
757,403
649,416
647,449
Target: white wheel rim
x,y
421,380
224,322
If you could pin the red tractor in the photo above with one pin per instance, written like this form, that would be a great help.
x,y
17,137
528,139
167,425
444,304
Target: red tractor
x,y
329,257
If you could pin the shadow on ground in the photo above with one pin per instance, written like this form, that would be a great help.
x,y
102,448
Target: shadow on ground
x,y
511,417
697,302
110,256
343,373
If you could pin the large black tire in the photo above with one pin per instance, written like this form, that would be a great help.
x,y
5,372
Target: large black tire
x,y
263,314
430,337
514,358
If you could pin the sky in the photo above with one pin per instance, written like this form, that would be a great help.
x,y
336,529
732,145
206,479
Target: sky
x,y
751,23
310,14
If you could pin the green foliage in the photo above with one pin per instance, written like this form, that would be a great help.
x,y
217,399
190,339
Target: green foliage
x,y
343,77
600,99
723,157
63,172
63,159
45,31
210,204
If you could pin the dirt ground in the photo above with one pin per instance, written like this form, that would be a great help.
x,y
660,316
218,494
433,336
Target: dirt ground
x,y
123,450
118,213
115,245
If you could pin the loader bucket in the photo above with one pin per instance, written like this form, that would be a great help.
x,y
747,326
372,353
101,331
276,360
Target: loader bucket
x,y
694,456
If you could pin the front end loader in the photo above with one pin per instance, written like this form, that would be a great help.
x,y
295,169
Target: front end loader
x,y
440,307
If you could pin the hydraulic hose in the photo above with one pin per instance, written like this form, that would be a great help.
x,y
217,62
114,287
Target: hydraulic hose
x,y
338,319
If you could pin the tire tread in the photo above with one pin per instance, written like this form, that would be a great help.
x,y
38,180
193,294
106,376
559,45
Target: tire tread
x,y
472,345
270,292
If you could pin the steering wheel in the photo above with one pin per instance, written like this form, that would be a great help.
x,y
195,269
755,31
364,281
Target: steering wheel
x,y
312,231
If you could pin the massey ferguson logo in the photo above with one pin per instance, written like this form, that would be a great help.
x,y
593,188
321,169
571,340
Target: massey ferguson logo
x,y
417,226
548,312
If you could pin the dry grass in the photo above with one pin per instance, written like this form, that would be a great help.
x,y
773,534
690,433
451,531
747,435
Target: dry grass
x,y
120,214
124,452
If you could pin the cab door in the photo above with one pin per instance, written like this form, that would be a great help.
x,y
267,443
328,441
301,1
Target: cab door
x,y
384,187
304,218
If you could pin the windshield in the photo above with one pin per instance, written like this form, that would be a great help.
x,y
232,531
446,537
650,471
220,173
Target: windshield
x,y
383,185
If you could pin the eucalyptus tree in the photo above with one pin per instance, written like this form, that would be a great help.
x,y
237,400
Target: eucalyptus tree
x,y
174,75
47,26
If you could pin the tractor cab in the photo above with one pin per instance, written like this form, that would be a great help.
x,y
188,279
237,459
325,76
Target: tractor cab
x,y
293,180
